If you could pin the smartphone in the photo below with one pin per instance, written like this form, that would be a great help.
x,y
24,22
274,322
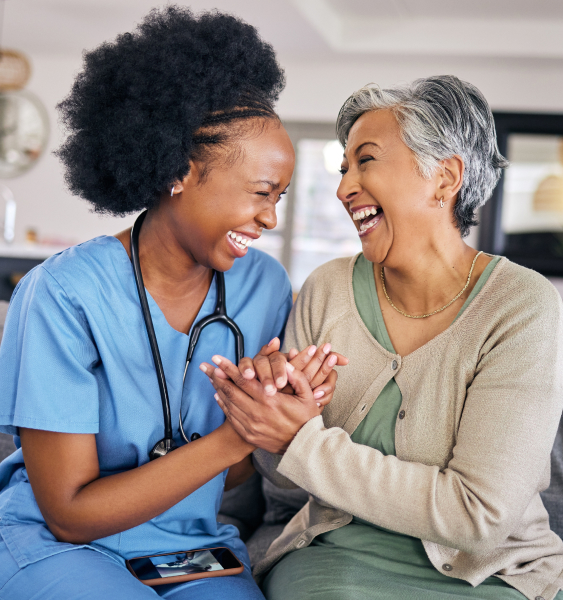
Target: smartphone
x,y
174,567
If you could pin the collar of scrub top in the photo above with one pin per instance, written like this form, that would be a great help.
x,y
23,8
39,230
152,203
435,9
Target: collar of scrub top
x,y
167,443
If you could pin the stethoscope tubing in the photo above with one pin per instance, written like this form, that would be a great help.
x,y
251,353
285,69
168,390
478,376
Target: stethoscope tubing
x,y
167,444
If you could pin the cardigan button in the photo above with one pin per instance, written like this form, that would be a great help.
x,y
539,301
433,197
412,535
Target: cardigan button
x,y
539,598
402,414
301,543
448,567
394,365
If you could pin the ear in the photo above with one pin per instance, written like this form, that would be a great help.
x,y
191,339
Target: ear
x,y
450,178
191,179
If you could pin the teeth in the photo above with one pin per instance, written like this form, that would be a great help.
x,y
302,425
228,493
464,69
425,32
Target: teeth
x,y
239,240
365,213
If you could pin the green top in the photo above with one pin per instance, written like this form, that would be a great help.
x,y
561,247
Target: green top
x,y
378,428
361,561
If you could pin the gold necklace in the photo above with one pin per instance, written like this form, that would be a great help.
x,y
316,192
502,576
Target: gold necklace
x,y
439,309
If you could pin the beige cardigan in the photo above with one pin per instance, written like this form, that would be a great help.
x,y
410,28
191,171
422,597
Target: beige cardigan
x,y
481,407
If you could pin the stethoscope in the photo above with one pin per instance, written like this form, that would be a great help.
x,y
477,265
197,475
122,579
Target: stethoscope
x,y
167,443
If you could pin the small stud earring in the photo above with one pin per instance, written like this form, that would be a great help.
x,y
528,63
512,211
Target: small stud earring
x,y
172,190
442,202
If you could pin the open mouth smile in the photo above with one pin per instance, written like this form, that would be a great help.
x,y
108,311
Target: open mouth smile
x,y
240,242
369,217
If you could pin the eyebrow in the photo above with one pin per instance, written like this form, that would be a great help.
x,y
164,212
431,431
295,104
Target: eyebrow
x,y
357,151
272,184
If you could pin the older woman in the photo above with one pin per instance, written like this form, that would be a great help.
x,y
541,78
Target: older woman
x,y
424,471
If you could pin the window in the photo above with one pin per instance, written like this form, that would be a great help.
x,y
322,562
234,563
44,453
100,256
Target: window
x,y
313,226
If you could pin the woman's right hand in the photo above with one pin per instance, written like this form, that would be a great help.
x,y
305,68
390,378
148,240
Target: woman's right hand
x,y
317,364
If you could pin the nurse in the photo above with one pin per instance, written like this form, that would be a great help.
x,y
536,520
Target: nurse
x,y
177,119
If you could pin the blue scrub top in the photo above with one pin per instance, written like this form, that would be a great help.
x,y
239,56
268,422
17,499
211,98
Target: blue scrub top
x,y
75,358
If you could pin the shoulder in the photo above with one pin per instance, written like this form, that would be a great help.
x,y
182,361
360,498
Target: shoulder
x,y
326,296
514,288
259,268
77,273
331,282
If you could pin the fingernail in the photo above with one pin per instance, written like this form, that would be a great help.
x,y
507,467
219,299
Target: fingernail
x,y
210,380
280,382
326,348
318,394
290,367
216,396
312,350
203,368
216,359
332,360
319,404
272,341
270,390
249,373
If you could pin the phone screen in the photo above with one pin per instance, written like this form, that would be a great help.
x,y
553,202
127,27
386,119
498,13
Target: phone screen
x,y
183,563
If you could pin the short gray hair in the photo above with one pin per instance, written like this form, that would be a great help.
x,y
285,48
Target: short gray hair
x,y
439,117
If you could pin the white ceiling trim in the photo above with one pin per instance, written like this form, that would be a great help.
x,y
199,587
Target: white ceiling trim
x,y
507,37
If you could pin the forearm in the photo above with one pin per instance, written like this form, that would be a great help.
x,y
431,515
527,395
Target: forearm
x,y
450,507
109,505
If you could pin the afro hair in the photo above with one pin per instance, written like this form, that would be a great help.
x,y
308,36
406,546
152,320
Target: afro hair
x,y
145,104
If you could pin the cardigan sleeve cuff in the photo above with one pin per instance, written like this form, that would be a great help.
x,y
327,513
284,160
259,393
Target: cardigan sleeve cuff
x,y
296,457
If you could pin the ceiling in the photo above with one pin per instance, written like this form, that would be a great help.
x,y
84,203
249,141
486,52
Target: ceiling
x,y
493,28
316,29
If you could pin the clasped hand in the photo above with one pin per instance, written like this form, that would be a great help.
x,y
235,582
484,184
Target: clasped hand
x,y
269,398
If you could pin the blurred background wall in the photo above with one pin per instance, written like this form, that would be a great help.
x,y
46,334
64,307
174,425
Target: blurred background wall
x,y
511,49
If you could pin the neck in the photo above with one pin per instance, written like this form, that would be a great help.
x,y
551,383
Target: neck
x,y
169,270
430,276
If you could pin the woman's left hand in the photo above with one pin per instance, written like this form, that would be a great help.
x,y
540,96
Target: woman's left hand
x,y
266,421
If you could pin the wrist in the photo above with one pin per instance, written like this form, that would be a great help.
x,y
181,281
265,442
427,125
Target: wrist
x,y
235,445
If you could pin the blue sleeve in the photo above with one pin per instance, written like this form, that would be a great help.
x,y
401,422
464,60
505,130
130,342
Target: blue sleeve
x,y
47,360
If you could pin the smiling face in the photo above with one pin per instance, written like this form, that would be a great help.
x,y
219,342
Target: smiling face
x,y
216,218
391,204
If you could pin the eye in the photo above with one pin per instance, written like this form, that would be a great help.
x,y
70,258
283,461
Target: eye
x,y
282,194
265,194
365,159
343,171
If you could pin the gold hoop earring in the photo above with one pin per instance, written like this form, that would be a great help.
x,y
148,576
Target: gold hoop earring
x,y
442,202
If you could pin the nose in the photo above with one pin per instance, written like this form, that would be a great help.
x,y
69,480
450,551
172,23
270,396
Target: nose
x,y
268,218
349,188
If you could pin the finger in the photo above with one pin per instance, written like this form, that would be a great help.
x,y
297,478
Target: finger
x,y
327,366
265,373
275,369
246,368
272,346
317,361
293,353
209,370
299,383
323,393
250,386
342,360
302,359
